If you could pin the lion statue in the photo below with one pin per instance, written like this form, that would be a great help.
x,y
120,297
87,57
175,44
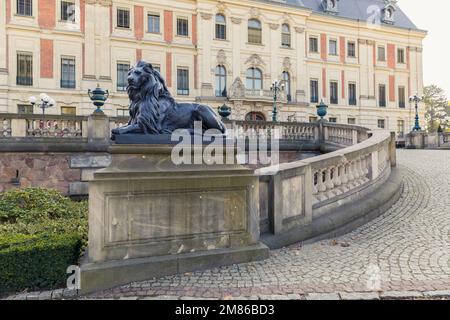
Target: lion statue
x,y
153,110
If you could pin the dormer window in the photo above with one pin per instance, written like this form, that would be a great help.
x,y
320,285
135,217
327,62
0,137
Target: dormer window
x,y
330,6
389,12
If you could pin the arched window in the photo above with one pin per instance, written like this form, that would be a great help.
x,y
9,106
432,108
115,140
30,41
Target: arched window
x,y
287,84
254,31
221,27
254,79
285,36
255,116
221,81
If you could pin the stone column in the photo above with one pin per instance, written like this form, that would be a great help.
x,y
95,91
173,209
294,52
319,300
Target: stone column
x,y
98,130
393,150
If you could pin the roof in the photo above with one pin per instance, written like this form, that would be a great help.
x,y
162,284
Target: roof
x,y
355,10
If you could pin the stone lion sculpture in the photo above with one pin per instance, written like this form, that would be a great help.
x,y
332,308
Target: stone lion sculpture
x,y
153,110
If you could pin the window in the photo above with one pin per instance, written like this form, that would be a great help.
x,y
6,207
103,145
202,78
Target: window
x,y
285,36
25,109
24,69
312,119
381,123
400,56
254,79
287,85
72,111
314,91
352,94
401,97
221,27
351,49
382,95
153,22
68,11
255,116
333,47
123,18
25,7
123,112
313,45
351,120
254,31
381,54
332,120
122,75
182,27
333,92
221,81
400,128
68,73
183,81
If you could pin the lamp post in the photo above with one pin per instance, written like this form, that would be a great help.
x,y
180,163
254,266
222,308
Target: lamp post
x,y
98,97
416,99
276,88
44,103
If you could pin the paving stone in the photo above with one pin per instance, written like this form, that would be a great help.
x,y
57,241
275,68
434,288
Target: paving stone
x,y
438,293
322,296
401,294
359,296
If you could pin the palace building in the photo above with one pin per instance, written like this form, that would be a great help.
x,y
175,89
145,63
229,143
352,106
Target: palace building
x,y
363,58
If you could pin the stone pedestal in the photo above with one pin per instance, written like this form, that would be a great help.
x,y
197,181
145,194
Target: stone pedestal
x,y
416,140
149,218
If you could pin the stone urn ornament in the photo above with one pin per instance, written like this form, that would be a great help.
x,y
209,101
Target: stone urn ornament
x,y
322,109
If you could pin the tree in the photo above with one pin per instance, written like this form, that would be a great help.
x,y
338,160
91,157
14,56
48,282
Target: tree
x,y
436,105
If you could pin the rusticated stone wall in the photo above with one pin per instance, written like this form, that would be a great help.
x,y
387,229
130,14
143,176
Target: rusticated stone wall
x,y
37,170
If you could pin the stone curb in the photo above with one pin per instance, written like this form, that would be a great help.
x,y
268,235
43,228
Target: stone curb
x,y
62,294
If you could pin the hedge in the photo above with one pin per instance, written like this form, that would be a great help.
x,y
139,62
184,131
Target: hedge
x,y
41,234
37,261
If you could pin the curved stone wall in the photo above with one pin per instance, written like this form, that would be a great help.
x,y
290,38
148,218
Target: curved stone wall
x,y
329,194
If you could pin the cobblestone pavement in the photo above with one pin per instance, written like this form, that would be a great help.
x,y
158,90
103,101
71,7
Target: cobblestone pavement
x,y
404,253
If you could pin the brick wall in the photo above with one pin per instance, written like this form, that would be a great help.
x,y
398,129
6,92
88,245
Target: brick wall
x,y
8,11
139,22
323,46
46,15
46,58
342,49
391,55
392,88
138,55
324,82
169,69
168,26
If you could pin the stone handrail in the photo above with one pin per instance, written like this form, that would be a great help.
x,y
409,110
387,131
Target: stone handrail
x,y
302,191
49,126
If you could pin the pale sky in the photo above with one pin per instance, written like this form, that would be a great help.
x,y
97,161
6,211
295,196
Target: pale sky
x,y
433,16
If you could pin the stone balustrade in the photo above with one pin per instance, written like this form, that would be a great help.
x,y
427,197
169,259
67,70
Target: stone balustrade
x,y
302,192
5,127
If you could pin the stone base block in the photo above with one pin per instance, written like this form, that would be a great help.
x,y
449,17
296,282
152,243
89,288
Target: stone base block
x,y
105,275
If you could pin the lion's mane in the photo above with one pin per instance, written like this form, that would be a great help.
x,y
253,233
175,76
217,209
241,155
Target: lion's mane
x,y
145,99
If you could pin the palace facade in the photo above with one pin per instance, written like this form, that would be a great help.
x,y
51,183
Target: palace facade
x,y
361,57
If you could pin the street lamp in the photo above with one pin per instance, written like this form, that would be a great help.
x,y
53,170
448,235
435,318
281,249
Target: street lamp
x,y
277,87
46,102
416,99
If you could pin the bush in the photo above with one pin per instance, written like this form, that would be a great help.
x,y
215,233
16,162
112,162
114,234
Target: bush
x,y
41,234
37,261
